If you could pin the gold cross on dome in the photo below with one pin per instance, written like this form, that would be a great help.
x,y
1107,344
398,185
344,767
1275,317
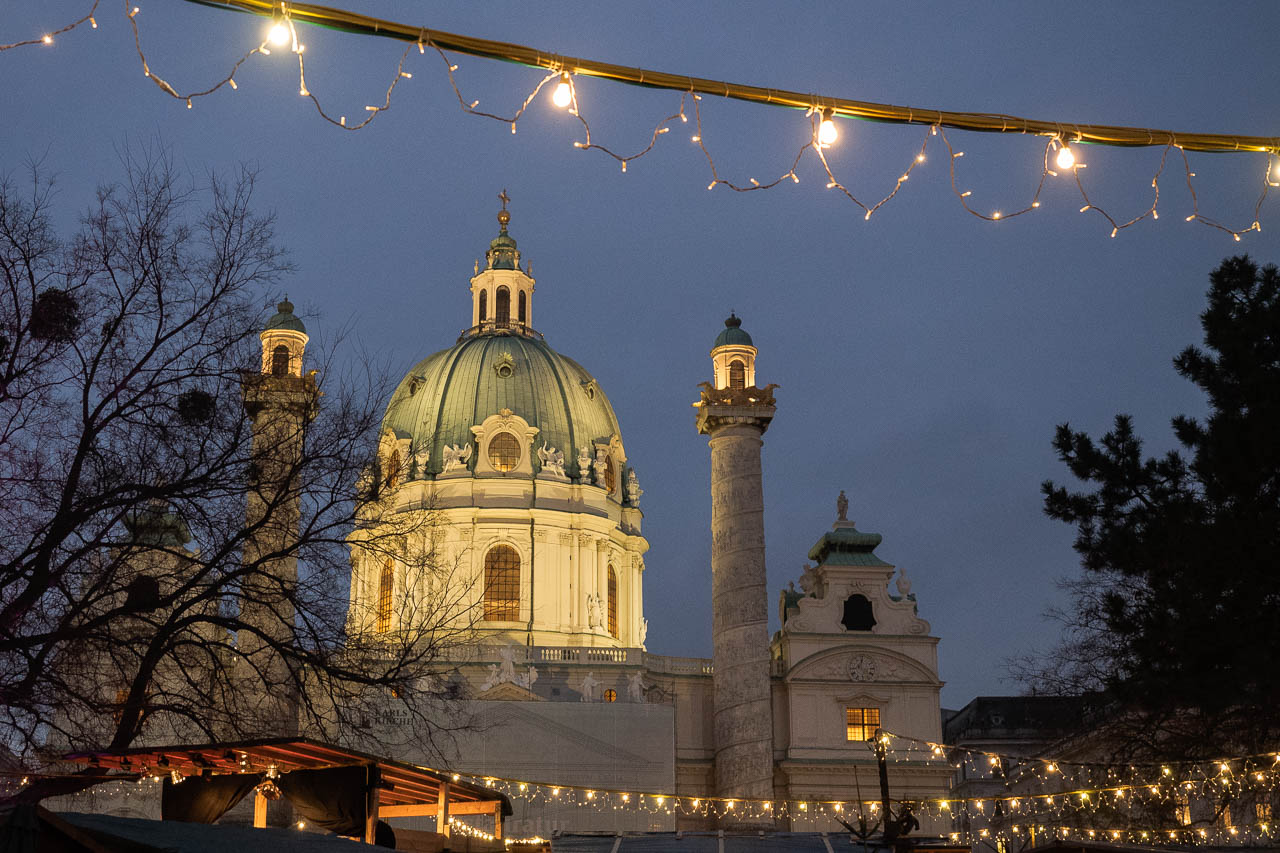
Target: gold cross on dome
x,y
504,198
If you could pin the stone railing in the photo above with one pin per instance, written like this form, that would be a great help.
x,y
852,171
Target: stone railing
x,y
677,666
595,657
578,654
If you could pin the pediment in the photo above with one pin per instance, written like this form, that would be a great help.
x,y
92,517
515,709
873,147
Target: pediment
x,y
861,665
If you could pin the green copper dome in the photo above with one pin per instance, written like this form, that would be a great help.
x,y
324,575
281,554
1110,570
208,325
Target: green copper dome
x,y
284,318
449,392
732,334
502,254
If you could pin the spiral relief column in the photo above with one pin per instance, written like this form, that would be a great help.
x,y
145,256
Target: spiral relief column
x,y
735,414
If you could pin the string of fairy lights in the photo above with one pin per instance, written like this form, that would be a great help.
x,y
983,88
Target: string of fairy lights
x,y
1032,797
1061,158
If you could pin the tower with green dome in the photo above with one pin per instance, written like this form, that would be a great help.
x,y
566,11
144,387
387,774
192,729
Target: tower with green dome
x,y
518,453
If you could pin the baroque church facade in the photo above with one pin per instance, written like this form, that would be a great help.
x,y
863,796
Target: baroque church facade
x,y
517,454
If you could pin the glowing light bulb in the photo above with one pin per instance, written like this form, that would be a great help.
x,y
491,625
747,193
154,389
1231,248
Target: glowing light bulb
x,y
279,35
563,95
827,132
1066,158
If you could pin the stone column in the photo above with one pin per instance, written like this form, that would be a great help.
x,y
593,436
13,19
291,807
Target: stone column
x,y
742,707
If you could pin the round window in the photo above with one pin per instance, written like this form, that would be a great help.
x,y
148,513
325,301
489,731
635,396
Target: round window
x,y
611,696
504,451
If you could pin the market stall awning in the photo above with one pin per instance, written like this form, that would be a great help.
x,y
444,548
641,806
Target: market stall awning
x,y
403,790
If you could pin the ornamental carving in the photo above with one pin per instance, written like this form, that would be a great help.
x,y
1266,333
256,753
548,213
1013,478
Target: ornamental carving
x,y
753,396
421,457
504,365
862,668
633,488
552,460
456,457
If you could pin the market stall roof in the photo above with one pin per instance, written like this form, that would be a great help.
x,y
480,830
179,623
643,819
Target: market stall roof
x,y
402,784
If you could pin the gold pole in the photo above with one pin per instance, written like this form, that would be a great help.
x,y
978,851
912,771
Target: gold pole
x,y
983,122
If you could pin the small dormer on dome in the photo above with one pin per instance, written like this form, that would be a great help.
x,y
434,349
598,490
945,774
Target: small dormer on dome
x,y
284,340
733,356
501,294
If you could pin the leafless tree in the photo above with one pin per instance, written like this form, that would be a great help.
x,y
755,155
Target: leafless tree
x,y
139,515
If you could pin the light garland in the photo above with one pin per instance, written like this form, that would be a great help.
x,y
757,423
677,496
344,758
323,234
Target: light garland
x,y
1058,782
821,111
47,38
1045,809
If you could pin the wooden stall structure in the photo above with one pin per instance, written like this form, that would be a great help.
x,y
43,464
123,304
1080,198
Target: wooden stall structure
x,y
403,790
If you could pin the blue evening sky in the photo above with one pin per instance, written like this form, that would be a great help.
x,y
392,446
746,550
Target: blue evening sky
x,y
924,356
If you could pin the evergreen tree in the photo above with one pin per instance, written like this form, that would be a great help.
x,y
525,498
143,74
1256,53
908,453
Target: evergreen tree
x,y
1177,615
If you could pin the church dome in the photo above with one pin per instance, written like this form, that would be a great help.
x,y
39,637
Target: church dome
x,y
284,318
448,393
733,334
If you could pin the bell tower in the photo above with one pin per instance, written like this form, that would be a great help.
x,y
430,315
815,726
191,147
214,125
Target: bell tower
x,y
735,414
280,402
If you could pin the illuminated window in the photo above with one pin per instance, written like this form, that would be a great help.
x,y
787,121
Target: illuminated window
x,y
484,305
524,308
504,451
610,475
613,602
393,469
280,361
611,696
384,597
1262,811
861,723
502,584
737,374
502,307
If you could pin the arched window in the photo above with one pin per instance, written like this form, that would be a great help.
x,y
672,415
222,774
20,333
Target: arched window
x,y
393,469
502,307
737,374
502,584
613,603
610,475
384,596
857,614
484,305
524,308
280,361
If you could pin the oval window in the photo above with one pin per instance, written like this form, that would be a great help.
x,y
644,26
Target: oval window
x,y
504,451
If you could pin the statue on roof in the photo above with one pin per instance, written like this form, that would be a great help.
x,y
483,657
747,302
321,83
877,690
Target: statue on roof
x,y
842,507
635,687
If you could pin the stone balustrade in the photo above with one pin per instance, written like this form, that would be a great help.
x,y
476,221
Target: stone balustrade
x,y
597,657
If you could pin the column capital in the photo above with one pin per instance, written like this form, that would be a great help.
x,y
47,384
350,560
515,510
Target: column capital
x,y
750,407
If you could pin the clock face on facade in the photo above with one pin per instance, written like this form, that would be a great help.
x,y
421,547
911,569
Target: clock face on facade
x,y
862,668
